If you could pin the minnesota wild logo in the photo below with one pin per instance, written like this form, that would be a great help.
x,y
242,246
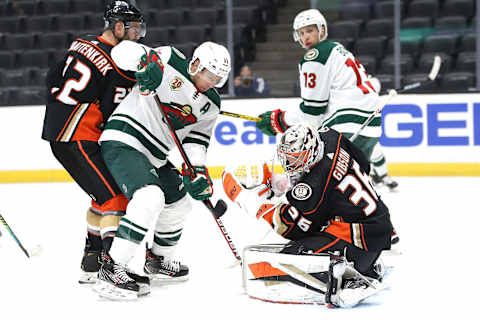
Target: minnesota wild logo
x,y
311,54
180,115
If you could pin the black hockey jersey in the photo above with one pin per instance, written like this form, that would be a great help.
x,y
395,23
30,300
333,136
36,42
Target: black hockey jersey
x,y
337,197
83,90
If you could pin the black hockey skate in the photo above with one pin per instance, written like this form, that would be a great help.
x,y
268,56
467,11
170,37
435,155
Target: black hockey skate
x,y
114,282
395,237
384,180
157,268
91,262
142,281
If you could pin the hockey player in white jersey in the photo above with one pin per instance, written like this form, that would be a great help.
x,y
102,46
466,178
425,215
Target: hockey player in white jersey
x,y
379,173
335,90
136,143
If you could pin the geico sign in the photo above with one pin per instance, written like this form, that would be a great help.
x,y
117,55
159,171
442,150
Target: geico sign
x,y
245,132
437,124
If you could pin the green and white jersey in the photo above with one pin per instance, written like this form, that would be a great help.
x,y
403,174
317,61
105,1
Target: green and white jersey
x,y
139,123
336,91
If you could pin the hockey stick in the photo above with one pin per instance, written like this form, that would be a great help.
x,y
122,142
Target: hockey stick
x,y
219,209
437,62
14,236
241,116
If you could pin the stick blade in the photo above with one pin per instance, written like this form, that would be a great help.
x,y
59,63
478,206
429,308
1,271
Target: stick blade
x,y
437,63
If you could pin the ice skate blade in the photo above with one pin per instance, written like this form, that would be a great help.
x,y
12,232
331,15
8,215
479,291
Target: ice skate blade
x,y
88,277
160,279
109,291
144,289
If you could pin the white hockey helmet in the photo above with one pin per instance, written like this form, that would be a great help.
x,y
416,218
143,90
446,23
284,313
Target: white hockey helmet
x,y
300,147
213,57
307,18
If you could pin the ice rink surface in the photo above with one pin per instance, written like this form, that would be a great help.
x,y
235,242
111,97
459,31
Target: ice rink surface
x,y
435,276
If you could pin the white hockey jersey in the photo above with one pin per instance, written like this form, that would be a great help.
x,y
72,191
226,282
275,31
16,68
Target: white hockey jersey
x,y
335,91
138,121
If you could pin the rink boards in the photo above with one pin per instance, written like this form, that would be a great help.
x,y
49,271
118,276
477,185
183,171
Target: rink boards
x,y
422,135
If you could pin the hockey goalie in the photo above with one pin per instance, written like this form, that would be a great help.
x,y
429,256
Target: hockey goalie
x,y
325,205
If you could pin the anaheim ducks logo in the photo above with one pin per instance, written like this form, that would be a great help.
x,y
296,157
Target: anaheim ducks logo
x,y
311,54
176,83
301,191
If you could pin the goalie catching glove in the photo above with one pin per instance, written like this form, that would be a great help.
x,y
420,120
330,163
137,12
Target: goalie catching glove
x,y
198,183
151,72
252,188
272,122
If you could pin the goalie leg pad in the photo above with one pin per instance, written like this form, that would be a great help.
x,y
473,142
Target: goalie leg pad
x,y
272,276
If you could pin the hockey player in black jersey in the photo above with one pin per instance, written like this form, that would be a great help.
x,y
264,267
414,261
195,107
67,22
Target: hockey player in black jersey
x,y
83,90
331,207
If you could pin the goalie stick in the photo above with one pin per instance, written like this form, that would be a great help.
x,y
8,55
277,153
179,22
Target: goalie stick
x,y
437,62
219,209
14,236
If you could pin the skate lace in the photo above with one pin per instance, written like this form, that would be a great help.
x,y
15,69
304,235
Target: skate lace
x,y
171,265
121,273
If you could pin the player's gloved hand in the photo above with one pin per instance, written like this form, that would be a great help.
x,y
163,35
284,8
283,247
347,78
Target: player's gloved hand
x,y
272,122
198,184
151,72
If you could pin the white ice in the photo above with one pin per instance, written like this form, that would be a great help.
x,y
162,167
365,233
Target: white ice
x,y
437,220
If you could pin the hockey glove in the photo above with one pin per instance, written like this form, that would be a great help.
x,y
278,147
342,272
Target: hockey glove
x,y
151,72
198,184
272,122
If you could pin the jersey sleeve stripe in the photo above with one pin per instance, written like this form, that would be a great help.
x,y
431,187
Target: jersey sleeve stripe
x,y
314,110
66,123
72,123
206,136
145,131
196,141
130,130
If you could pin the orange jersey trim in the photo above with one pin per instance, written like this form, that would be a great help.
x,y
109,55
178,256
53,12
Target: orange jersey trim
x,y
340,230
88,126
327,246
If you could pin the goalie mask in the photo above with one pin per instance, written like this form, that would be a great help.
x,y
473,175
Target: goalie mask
x,y
307,18
126,13
299,149
213,57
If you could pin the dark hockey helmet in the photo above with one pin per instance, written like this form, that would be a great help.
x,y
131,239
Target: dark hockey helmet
x,y
124,12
